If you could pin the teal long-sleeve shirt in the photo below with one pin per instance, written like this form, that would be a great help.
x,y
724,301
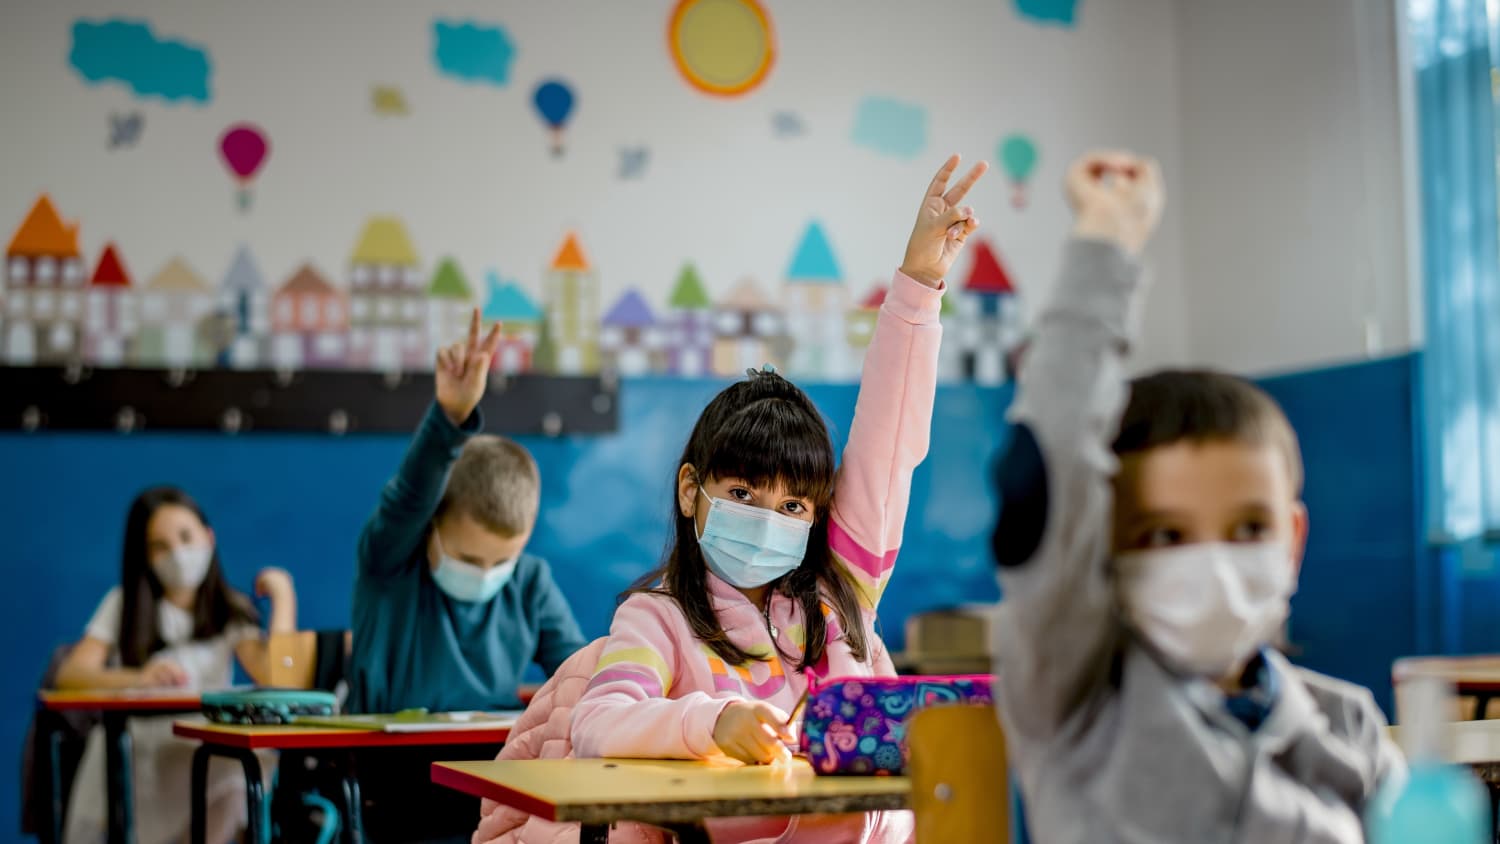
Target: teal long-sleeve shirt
x,y
414,645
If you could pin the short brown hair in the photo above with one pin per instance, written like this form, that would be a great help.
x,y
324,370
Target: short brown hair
x,y
1202,406
496,483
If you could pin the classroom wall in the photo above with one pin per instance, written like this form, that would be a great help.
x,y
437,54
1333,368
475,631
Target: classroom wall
x,y
1295,247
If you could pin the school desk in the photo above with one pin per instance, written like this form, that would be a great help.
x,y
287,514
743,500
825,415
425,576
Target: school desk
x,y
672,794
116,706
1472,676
240,743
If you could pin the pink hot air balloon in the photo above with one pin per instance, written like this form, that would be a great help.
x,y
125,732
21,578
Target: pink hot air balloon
x,y
244,148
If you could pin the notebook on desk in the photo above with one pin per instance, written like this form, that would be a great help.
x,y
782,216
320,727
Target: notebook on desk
x,y
415,721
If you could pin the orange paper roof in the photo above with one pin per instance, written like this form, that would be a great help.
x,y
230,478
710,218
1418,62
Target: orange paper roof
x,y
43,232
570,255
110,271
307,280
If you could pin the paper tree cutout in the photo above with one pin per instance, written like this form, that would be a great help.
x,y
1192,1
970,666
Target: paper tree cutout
x,y
688,294
814,261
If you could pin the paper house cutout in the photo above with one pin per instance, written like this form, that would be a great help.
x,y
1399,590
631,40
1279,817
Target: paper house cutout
x,y
747,324
245,302
630,340
388,307
689,326
570,290
309,322
816,303
173,304
859,324
111,322
988,319
44,290
520,325
450,306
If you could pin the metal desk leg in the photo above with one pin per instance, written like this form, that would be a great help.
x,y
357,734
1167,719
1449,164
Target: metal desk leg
x,y
594,833
51,829
118,778
354,807
256,830
199,827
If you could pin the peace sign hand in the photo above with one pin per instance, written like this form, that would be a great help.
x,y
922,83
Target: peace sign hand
x,y
942,225
462,370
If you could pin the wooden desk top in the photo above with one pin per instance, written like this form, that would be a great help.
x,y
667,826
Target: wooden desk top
x,y
267,736
1472,743
117,700
1468,674
666,791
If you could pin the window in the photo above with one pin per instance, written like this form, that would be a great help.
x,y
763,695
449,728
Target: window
x,y
766,324
309,309
45,301
360,277
71,305
72,272
385,308
729,323
286,312
390,275
360,308
61,337
18,271
46,270
333,310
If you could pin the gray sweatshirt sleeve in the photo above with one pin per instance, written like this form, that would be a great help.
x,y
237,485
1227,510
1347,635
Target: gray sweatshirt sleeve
x,y
1055,632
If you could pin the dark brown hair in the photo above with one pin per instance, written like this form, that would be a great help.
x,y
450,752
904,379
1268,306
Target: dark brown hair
x,y
763,430
1200,406
215,607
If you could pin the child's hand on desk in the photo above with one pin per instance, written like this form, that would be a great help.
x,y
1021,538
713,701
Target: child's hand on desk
x,y
1117,197
753,732
942,225
162,673
462,371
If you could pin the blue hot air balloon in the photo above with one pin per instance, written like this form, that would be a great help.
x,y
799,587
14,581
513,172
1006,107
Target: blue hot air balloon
x,y
554,102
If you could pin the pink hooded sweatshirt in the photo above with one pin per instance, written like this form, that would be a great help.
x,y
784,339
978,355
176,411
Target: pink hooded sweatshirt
x,y
657,691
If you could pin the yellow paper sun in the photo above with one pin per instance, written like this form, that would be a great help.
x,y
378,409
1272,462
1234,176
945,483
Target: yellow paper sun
x,y
721,47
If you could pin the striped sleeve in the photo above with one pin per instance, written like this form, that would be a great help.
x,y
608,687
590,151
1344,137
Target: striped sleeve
x,y
628,710
888,437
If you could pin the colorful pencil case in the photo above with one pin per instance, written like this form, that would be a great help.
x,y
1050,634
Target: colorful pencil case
x,y
857,725
266,706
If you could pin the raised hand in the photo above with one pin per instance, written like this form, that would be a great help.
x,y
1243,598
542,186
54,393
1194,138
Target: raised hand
x,y
463,369
1117,196
942,225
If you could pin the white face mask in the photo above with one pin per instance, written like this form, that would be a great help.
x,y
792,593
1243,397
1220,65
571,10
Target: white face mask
x,y
184,567
467,582
1204,608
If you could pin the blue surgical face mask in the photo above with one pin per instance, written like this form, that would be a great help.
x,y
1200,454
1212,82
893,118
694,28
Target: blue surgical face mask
x,y
749,546
468,582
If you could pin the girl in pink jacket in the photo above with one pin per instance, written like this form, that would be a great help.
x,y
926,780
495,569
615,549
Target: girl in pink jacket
x,y
778,562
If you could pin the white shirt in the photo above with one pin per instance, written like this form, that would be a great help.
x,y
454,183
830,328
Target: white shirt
x,y
209,663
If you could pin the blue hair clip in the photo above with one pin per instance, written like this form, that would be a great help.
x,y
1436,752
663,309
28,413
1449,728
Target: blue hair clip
x,y
766,369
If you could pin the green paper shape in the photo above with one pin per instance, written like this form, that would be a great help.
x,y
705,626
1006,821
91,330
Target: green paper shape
x,y
1018,154
449,282
688,294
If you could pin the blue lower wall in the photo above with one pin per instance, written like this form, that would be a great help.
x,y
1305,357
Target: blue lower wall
x,y
298,502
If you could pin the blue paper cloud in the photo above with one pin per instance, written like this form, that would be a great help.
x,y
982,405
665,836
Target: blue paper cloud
x,y
127,51
472,52
1048,11
891,127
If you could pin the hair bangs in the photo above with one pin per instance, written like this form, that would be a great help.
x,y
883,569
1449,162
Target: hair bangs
x,y
775,440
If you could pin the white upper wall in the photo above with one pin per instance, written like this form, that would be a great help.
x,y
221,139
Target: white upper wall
x,y
470,173
1291,193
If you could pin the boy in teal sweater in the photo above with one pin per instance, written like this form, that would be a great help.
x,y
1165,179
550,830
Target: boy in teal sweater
x,y
449,610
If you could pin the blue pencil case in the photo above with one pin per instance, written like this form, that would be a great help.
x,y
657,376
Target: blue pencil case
x,y
266,706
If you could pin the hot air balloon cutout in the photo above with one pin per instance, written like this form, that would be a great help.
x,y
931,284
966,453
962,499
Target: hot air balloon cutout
x,y
1018,156
244,148
554,102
